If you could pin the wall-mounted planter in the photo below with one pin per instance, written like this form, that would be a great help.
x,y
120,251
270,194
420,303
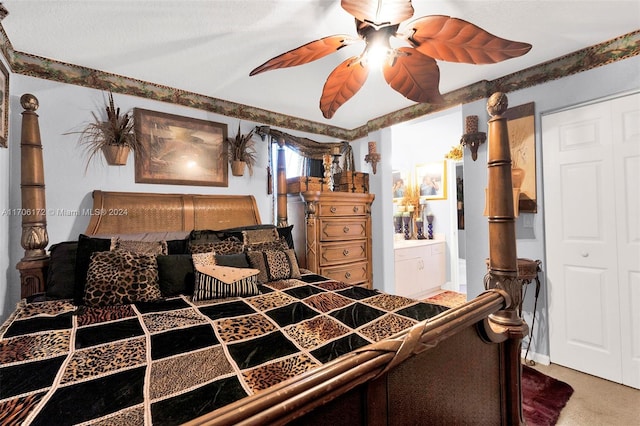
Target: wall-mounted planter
x,y
116,155
237,167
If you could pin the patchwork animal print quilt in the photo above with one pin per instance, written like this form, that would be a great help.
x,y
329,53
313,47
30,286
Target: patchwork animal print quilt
x,y
170,361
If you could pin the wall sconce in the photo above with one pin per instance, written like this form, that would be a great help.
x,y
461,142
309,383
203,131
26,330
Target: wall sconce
x,y
373,157
472,138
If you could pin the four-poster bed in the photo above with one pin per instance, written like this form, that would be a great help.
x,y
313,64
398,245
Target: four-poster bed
x,y
458,366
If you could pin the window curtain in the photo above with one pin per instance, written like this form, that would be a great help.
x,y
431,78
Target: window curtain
x,y
311,150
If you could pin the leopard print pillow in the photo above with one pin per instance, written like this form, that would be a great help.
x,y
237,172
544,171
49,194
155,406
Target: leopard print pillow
x,y
143,247
280,245
274,264
120,277
203,259
255,236
231,246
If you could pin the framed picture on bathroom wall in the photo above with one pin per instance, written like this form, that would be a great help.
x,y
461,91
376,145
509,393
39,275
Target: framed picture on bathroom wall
x,y
432,180
400,183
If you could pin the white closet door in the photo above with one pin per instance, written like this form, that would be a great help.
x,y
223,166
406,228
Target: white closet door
x,y
626,154
592,237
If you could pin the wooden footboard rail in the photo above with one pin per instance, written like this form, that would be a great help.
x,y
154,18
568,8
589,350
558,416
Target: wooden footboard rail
x,y
364,371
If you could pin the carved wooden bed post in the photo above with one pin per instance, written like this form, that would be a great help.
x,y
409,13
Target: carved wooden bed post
x,y
503,262
34,238
282,185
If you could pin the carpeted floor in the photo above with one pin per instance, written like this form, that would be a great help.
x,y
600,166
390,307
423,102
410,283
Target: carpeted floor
x,y
543,397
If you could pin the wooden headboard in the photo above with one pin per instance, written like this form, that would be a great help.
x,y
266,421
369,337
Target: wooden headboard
x,y
138,212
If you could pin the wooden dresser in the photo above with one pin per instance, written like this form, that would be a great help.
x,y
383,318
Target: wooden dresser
x,y
332,234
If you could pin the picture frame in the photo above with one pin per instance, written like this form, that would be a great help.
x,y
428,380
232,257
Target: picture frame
x,y
432,180
179,150
4,105
521,128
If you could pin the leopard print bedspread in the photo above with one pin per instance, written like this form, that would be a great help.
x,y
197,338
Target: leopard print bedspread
x,y
171,360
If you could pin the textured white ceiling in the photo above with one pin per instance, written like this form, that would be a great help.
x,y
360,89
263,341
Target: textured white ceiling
x,y
209,47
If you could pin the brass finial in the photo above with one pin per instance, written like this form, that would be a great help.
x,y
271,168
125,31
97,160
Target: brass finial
x,y
497,104
29,102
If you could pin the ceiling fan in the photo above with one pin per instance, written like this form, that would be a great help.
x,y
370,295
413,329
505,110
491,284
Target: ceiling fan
x,y
410,70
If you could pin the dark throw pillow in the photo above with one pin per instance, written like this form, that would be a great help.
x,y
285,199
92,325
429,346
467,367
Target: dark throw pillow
x,y
175,274
236,260
285,233
178,246
205,236
61,276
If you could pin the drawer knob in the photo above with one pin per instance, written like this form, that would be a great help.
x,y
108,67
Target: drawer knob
x,y
333,209
355,209
345,252
345,229
347,275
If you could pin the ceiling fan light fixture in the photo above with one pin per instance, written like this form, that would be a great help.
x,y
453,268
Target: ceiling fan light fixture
x,y
411,71
375,56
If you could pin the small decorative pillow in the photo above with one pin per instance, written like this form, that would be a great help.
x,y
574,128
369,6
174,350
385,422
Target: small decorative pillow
x,y
219,247
214,282
121,277
279,245
254,236
203,259
142,247
285,232
274,264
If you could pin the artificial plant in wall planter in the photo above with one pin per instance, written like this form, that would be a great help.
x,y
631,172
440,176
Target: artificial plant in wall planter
x,y
242,153
114,137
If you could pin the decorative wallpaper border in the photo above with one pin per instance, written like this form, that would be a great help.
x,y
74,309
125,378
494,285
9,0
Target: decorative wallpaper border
x,y
620,48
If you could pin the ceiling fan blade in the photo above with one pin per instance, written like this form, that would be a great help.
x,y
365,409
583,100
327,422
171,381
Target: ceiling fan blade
x,y
307,53
455,40
379,12
343,82
414,75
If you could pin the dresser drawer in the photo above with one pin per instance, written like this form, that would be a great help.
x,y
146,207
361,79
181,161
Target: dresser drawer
x,y
342,209
354,273
343,229
343,252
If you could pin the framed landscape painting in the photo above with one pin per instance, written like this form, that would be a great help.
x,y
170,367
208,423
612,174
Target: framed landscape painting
x,y
180,150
